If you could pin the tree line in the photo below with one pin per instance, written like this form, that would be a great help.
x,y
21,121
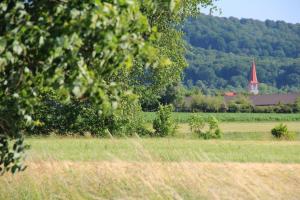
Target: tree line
x,y
220,52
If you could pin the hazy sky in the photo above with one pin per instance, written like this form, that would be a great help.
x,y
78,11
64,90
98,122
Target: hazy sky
x,y
286,10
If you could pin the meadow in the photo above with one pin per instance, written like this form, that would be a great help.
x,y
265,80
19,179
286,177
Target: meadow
x,y
246,163
74,76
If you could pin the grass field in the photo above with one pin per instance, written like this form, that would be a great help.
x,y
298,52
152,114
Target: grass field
x,y
181,117
237,130
155,180
157,168
163,150
247,163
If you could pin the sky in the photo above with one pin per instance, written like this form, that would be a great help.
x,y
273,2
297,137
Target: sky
x,y
286,10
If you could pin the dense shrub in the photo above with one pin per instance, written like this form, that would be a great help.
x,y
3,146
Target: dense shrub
x,y
214,131
283,108
281,132
80,117
207,103
240,104
196,123
264,109
296,106
163,124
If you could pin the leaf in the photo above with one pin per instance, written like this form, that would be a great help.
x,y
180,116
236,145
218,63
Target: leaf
x,y
2,44
3,7
77,91
17,47
41,41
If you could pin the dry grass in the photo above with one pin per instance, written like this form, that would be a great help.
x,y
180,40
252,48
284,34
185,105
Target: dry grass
x,y
156,168
153,180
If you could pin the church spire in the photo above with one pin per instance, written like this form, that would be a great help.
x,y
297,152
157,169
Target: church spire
x,y
253,83
253,78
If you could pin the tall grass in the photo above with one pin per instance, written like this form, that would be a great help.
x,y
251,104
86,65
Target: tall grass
x,y
75,169
124,180
163,150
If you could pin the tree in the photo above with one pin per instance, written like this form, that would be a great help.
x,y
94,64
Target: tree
x,y
166,17
275,45
78,49
72,47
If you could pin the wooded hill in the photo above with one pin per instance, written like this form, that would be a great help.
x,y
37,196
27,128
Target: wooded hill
x,y
220,52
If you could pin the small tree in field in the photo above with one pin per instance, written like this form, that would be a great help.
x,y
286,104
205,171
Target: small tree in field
x,y
214,131
196,123
163,123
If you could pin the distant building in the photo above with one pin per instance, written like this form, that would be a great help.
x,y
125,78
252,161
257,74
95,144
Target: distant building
x,y
253,83
262,99
230,94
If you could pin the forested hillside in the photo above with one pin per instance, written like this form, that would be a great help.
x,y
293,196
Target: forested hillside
x,y
220,52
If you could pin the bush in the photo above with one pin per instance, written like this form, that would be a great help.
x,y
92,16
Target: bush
x,y
163,123
196,123
284,108
240,104
281,132
264,109
202,103
214,131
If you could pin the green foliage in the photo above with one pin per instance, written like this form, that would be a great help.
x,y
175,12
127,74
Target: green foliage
x,y
240,104
73,47
214,132
165,17
220,51
84,50
281,132
197,102
296,106
80,117
196,123
163,124
11,159
207,103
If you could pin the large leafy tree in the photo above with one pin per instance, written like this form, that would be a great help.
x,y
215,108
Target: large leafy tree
x,y
77,49
165,17
72,47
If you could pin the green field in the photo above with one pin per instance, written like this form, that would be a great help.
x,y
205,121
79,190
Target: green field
x,y
181,117
163,150
243,130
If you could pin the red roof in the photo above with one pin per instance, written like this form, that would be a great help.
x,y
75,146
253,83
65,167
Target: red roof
x,y
253,78
230,94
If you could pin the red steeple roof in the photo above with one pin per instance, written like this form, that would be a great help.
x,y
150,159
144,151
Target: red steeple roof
x,y
253,78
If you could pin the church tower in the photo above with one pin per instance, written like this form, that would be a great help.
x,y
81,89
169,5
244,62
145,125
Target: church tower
x,y
253,83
